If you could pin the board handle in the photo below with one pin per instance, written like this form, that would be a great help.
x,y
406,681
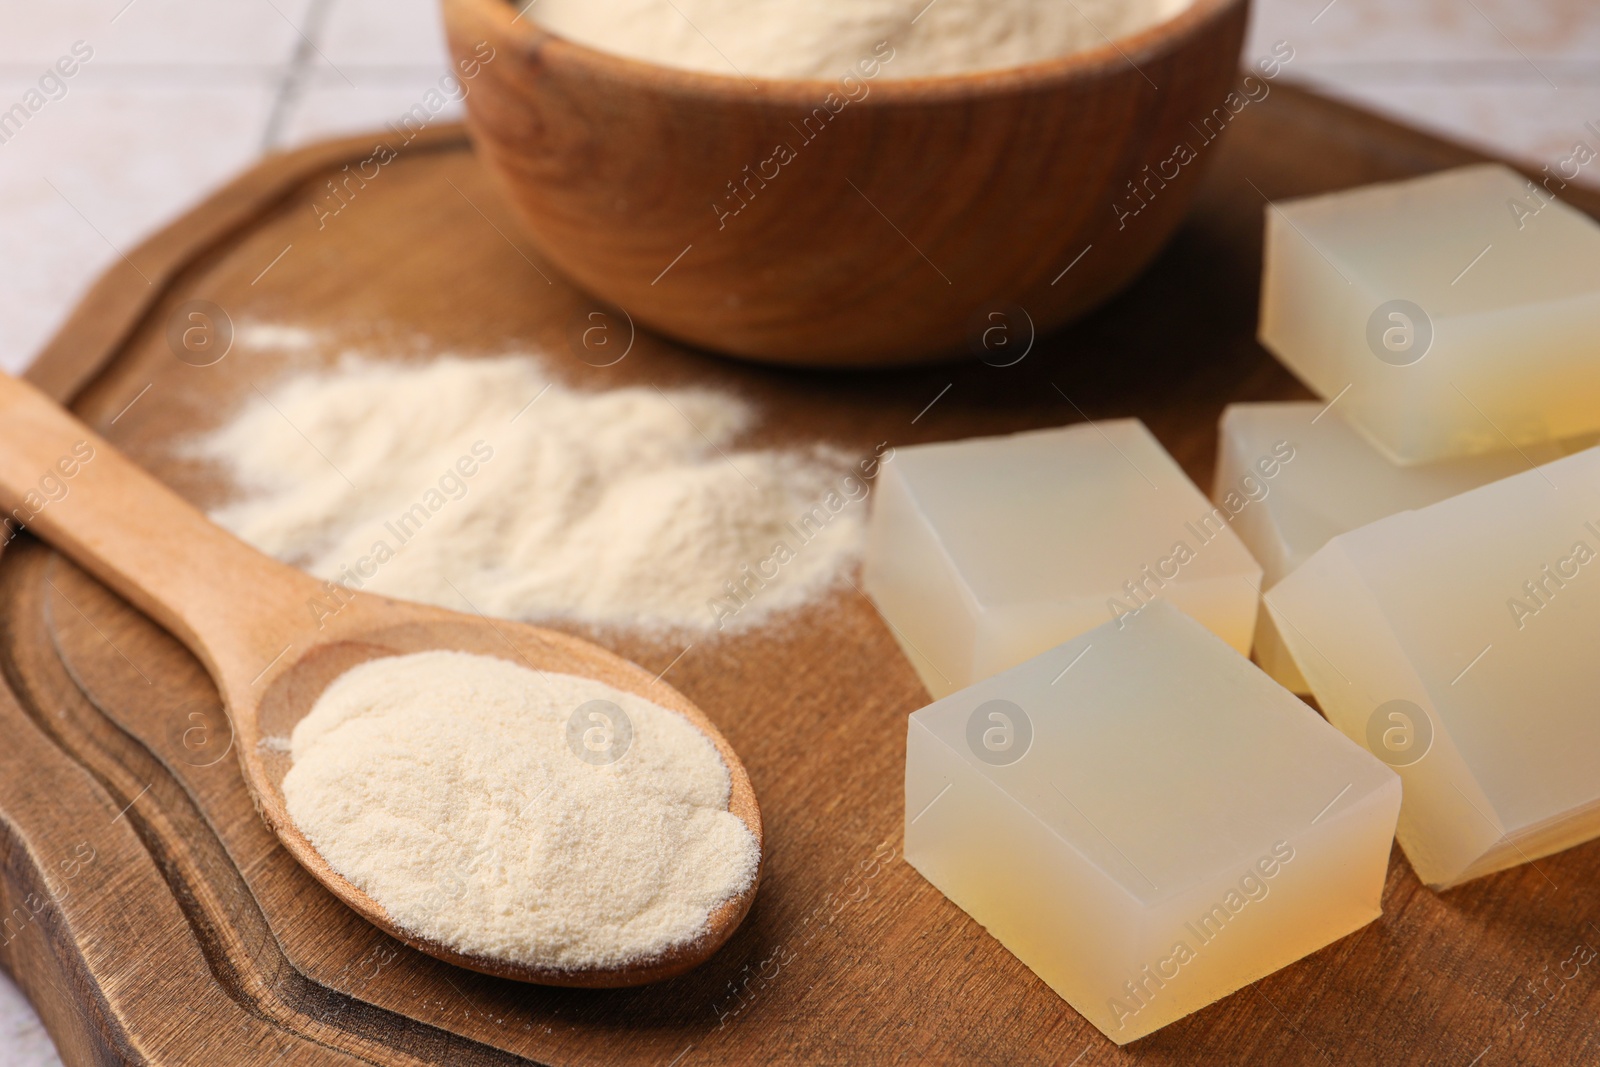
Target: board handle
x,y
59,480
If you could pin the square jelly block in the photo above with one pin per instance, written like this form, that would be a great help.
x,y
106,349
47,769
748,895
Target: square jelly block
x,y
1459,310
1457,642
982,553
1298,475
1146,820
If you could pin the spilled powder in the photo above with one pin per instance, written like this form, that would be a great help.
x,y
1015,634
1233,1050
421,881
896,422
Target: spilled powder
x,y
273,337
482,485
449,787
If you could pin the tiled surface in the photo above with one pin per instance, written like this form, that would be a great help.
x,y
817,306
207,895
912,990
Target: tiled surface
x,y
1518,77
23,1041
90,173
154,32
330,108
179,94
385,33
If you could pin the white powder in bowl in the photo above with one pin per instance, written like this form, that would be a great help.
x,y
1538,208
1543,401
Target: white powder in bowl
x,y
449,787
829,38
478,485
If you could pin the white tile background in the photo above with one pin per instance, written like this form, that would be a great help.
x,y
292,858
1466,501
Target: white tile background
x,y
181,94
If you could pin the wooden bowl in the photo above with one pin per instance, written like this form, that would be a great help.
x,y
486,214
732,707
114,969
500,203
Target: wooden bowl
x,y
892,226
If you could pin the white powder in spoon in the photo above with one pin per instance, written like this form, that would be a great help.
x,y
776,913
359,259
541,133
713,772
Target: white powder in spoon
x,y
831,38
482,485
456,791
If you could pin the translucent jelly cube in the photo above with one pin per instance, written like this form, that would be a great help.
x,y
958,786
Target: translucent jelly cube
x,y
1457,642
982,553
1146,819
1453,314
1298,475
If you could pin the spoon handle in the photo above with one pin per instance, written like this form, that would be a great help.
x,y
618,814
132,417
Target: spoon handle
x,y
231,605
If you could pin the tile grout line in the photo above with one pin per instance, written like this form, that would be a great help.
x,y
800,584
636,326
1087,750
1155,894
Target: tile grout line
x,y
295,75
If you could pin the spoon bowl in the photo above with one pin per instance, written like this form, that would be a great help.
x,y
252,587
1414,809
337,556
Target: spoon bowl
x,y
273,642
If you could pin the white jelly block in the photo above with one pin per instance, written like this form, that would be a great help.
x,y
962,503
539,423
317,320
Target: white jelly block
x,y
1146,819
982,553
1457,642
1460,310
1298,475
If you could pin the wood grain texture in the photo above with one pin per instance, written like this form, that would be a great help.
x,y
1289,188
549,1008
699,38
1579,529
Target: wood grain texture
x,y
193,938
867,223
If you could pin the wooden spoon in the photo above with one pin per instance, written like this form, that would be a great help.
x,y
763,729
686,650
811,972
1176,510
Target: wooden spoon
x,y
257,626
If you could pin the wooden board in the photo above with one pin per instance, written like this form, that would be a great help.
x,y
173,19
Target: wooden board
x,y
151,917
